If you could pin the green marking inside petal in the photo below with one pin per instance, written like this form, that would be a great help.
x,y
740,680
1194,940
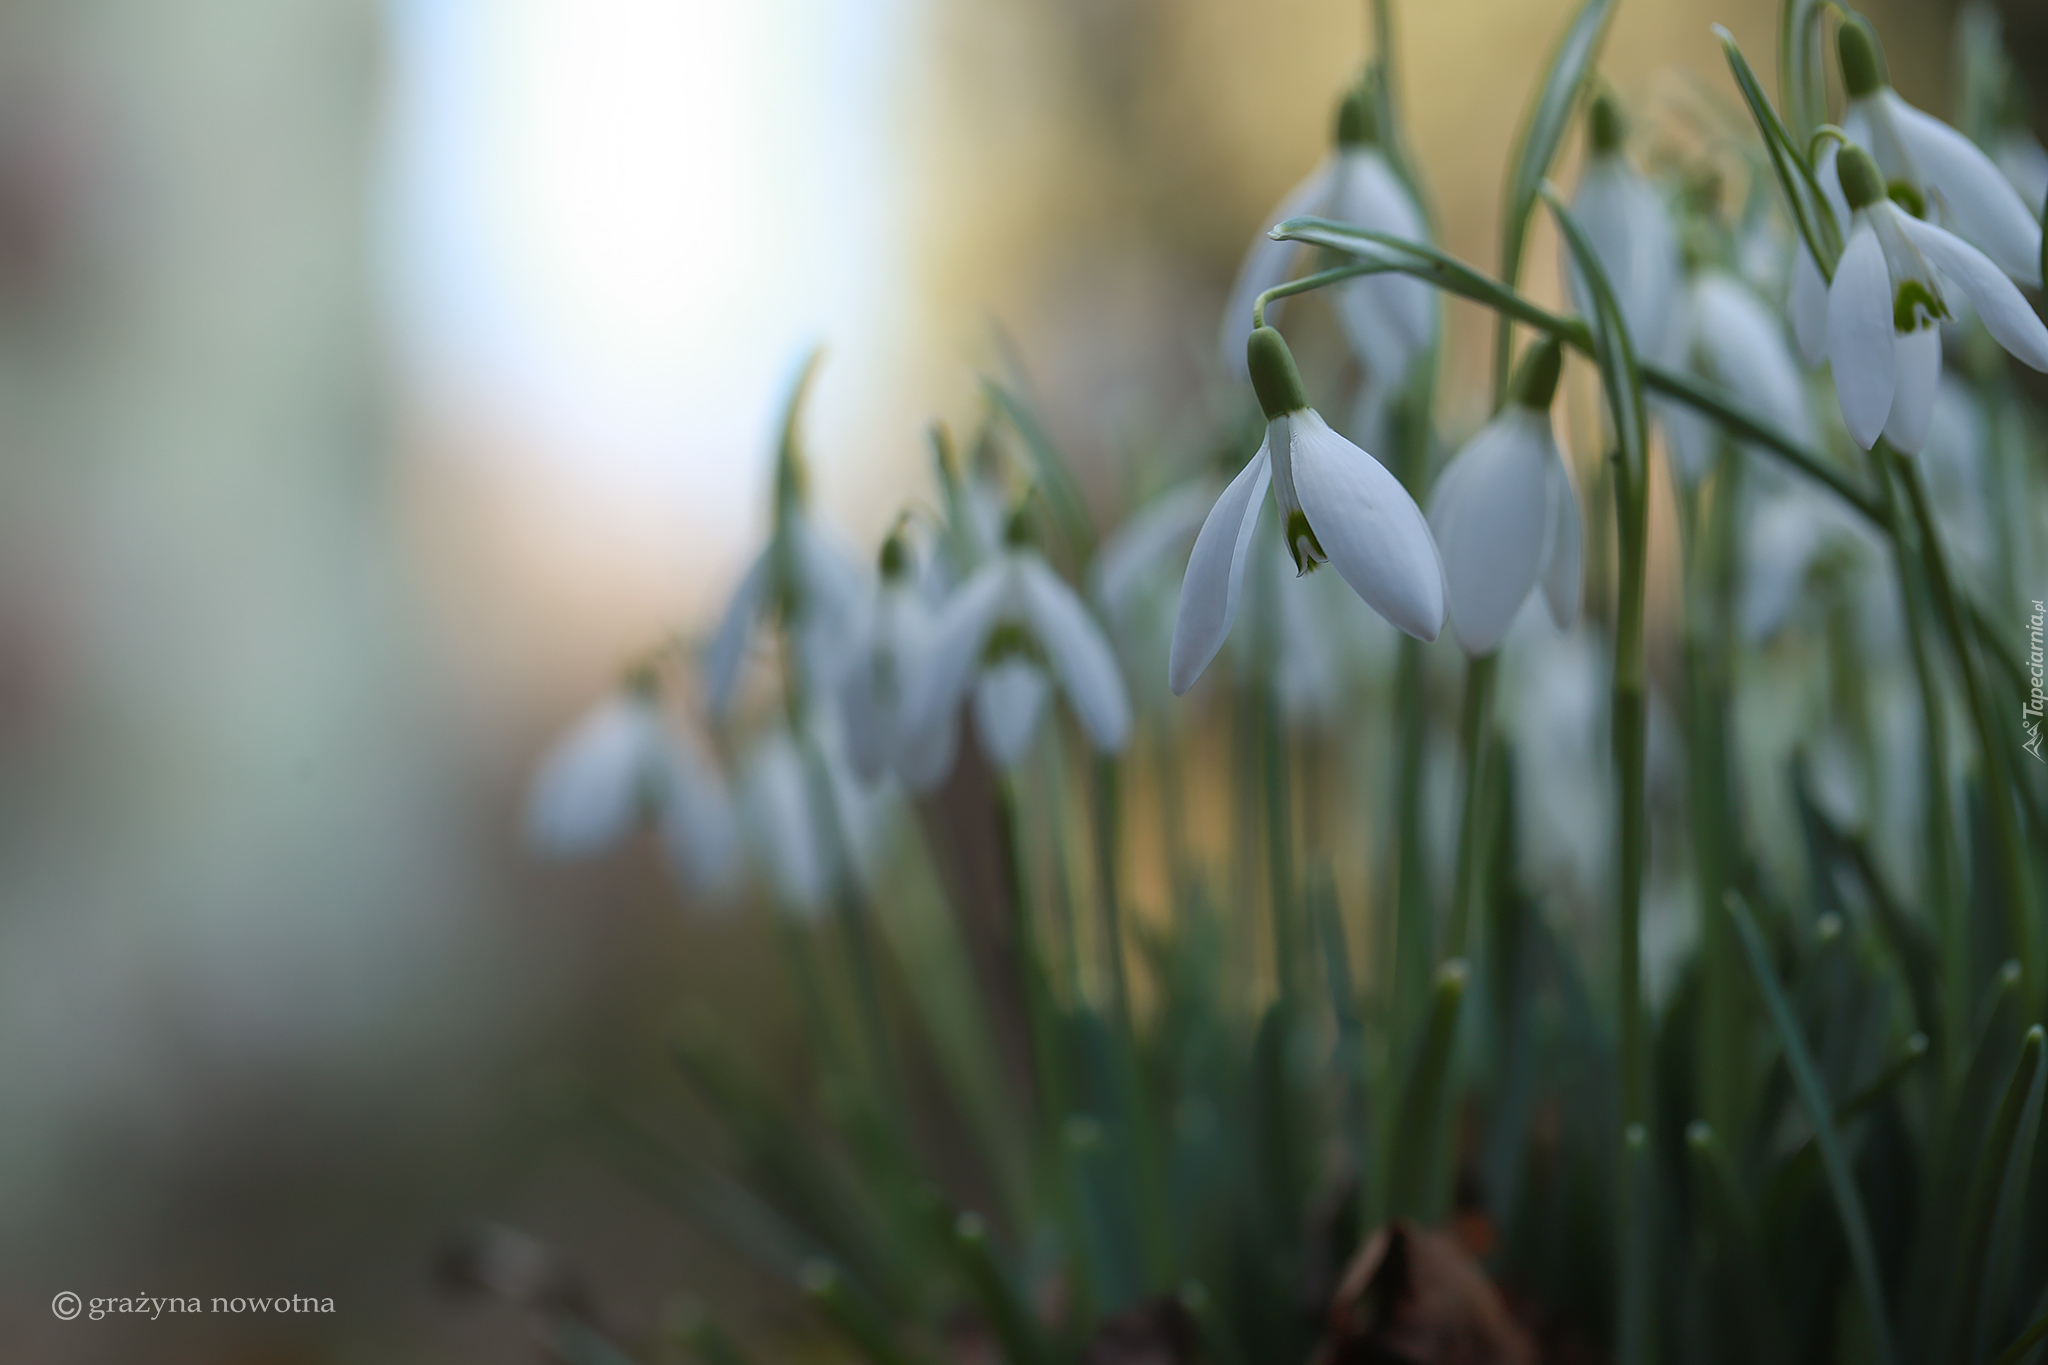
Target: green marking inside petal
x,y
1917,306
1303,545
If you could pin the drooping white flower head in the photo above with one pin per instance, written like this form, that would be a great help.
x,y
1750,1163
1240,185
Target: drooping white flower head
x,y
1725,333
872,691
1008,633
1338,505
1630,230
803,579
1387,319
1886,300
1949,174
1506,517
619,766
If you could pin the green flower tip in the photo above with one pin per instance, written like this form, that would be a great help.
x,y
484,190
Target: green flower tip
x,y
1606,125
818,1277
1862,185
1018,530
1699,1134
1635,1136
1357,124
1274,376
1863,70
895,557
1536,379
1452,975
969,1227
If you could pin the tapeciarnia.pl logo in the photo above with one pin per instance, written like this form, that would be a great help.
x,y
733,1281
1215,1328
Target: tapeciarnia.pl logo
x,y
2030,713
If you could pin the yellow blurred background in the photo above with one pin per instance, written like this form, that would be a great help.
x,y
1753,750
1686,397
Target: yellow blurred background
x,y
375,378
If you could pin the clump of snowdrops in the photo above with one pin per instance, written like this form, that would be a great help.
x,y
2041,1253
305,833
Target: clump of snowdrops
x,y
1327,914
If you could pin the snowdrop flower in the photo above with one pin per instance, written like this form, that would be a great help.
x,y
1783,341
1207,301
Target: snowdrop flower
x,y
1936,164
1724,332
803,579
1887,296
1630,231
1506,517
871,694
620,765
1127,559
1001,633
1338,505
1387,319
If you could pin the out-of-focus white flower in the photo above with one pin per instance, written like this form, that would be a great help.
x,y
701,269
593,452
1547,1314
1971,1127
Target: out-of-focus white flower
x,y
619,766
1338,505
1003,632
805,579
2020,157
1146,541
1630,231
793,854
1506,517
1387,319
1790,529
1884,304
1934,162
1724,332
872,690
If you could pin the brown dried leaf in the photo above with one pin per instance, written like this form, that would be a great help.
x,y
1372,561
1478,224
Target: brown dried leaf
x,y
1415,1295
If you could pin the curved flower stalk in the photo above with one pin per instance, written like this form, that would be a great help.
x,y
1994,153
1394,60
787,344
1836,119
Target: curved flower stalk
x,y
872,690
620,766
1934,163
803,579
1506,517
1725,333
1387,319
1008,633
1338,505
1886,300
1625,219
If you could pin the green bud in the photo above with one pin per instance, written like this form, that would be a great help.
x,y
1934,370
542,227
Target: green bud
x,y
1862,185
1274,376
895,557
1018,531
1357,124
1863,69
1535,380
1605,125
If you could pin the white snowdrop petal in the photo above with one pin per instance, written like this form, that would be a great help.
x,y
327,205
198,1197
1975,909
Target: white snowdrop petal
x,y
1860,336
787,844
1372,531
938,678
1215,576
1744,347
1809,307
1998,301
1007,700
1625,221
2024,163
1490,516
868,725
833,600
1977,198
589,789
1917,364
1830,181
1387,318
729,646
1143,542
699,831
925,756
1268,263
1080,657
1563,567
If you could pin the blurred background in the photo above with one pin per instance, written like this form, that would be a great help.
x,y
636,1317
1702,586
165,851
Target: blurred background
x,y
375,379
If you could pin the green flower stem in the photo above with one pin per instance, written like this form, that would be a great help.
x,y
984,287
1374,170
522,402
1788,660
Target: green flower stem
x,y
2019,897
1276,780
1046,1055
1944,863
1472,855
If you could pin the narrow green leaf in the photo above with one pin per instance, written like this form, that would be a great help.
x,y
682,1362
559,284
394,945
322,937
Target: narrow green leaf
x,y
1801,85
1007,1311
1733,1220
1972,1247
1069,513
1418,1173
1809,207
850,1313
1820,1114
2024,1342
1613,349
1542,132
